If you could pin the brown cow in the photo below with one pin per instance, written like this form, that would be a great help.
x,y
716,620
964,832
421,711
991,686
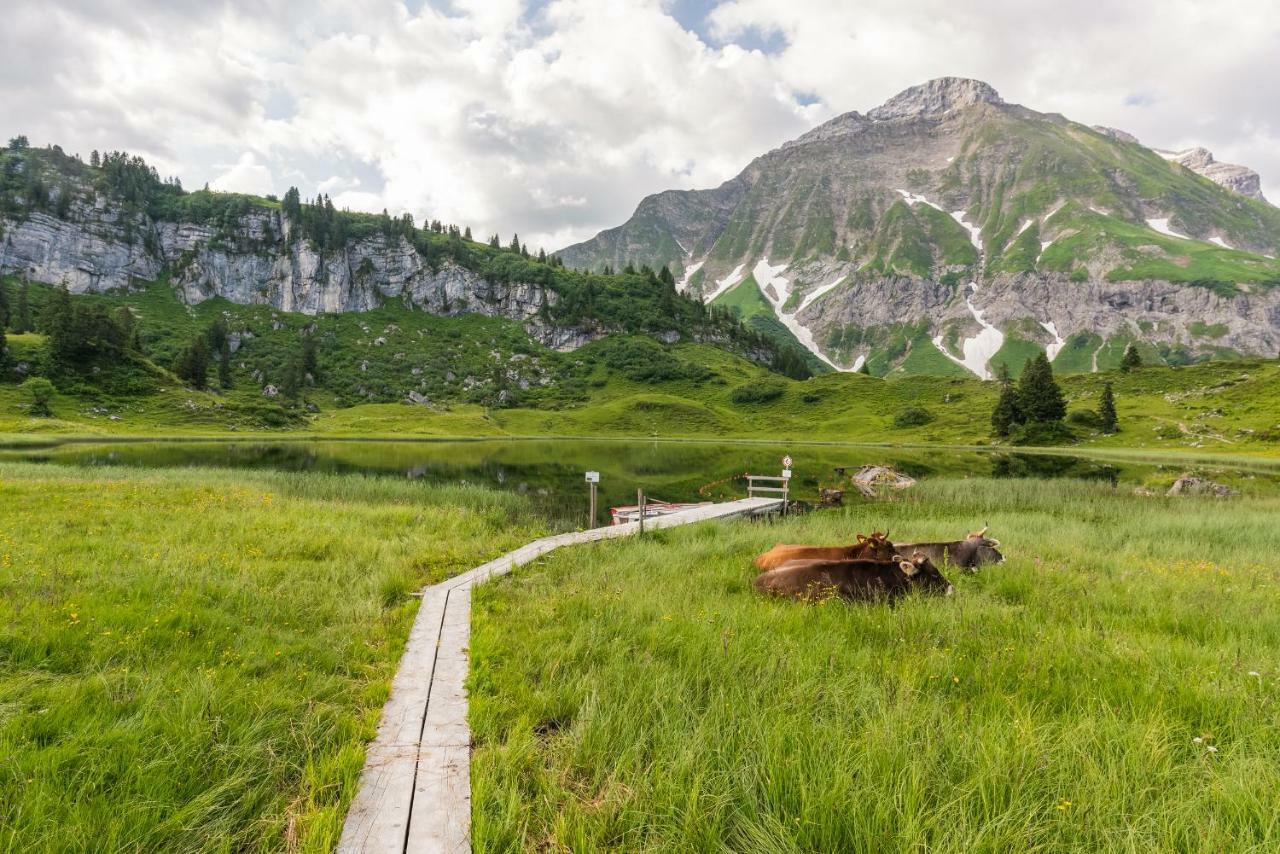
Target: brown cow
x,y
970,553
856,580
874,547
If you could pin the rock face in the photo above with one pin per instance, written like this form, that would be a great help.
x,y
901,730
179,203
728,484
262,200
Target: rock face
x,y
937,96
1241,179
94,250
961,221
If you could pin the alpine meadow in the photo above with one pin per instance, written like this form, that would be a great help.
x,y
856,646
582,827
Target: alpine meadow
x,y
639,427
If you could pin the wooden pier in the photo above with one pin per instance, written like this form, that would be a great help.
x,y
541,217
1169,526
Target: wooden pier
x,y
415,789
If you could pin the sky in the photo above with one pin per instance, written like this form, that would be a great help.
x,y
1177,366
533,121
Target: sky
x,y
553,118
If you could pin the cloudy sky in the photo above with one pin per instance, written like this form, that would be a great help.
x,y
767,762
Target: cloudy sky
x,y
554,117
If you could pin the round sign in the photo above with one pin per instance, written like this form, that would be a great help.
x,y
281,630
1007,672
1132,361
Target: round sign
x,y
786,462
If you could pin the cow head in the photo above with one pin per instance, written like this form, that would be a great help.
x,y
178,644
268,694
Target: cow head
x,y
875,547
923,575
982,549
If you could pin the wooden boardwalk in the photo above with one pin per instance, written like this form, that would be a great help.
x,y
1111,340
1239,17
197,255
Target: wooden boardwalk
x,y
415,789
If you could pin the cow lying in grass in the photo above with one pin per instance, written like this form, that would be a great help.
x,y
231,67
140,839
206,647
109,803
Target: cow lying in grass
x,y
970,553
856,580
874,547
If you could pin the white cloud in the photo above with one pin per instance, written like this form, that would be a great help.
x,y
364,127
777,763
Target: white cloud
x,y
555,121
247,175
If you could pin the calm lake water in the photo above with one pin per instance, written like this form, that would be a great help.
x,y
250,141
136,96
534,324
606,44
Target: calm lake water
x,y
551,472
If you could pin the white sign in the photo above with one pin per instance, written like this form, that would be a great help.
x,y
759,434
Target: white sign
x,y
593,477
786,461
786,473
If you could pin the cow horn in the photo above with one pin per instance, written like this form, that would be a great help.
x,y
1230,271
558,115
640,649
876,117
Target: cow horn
x,y
976,534
995,544
908,568
862,538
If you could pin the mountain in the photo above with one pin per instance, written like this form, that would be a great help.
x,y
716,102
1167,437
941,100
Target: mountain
x,y
113,225
947,231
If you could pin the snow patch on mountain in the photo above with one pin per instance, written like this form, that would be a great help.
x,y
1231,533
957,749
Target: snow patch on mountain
x,y
777,290
979,349
727,282
859,362
915,199
1058,343
1024,227
1224,244
683,284
1162,225
975,233
819,292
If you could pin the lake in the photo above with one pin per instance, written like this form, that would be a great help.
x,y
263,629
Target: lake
x,y
552,472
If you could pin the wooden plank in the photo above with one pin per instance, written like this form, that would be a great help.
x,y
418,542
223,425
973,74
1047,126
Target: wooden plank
x,y
440,820
379,816
415,789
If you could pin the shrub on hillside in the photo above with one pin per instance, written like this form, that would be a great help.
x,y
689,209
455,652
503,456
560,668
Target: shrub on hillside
x,y
759,392
646,361
912,416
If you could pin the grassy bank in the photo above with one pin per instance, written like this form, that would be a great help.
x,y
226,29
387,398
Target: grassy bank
x,y
1112,686
193,660
1220,407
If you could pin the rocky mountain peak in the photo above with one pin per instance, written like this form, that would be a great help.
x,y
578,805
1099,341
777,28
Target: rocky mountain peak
x,y
938,96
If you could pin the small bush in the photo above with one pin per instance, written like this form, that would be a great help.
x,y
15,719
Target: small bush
x,y
1085,418
912,416
811,397
761,392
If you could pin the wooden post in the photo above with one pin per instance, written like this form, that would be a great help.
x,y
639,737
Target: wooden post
x,y
640,507
591,523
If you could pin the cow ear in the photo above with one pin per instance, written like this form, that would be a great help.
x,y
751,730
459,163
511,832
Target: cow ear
x,y
908,567
862,539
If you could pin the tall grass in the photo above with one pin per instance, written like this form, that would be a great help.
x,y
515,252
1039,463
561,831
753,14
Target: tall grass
x,y
1111,687
194,660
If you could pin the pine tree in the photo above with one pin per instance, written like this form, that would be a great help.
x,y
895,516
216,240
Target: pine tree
x,y
495,242
5,317
515,243
1130,359
664,276
22,317
193,365
4,347
1107,409
1006,415
95,159
865,369
224,364
466,234
310,364
1039,398
128,324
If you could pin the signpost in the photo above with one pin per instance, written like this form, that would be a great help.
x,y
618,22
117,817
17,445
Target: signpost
x,y
786,481
593,478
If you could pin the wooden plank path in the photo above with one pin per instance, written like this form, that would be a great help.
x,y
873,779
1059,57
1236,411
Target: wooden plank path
x,y
415,789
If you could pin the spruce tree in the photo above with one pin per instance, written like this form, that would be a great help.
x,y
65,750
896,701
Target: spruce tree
x,y
866,368
1130,359
1039,398
224,364
310,364
22,317
1107,409
664,276
5,317
4,347
1006,415
193,366
515,243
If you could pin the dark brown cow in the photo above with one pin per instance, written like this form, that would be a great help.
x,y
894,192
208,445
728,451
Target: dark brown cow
x,y
856,580
874,547
973,551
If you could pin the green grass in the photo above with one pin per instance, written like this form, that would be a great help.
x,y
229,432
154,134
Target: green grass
x,y
1014,353
639,696
750,307
194,659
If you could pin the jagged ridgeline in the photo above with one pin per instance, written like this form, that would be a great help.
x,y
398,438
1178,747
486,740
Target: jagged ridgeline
x,y
948,232
113,228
